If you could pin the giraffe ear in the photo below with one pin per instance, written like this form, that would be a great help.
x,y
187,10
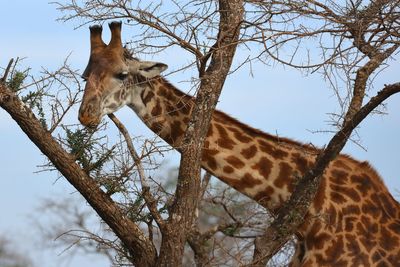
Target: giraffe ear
x,y
150,69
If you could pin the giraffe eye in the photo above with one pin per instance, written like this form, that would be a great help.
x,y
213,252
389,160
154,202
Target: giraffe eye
x,y
122,75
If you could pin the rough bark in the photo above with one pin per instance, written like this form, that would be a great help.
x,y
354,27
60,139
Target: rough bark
x,y
186,197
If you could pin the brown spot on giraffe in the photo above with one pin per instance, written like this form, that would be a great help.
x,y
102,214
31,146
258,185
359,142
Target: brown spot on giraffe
x,y
164,92
235,162
263,167
176,131
284,178
353,220
339,176
228,169
249,152
349,223
338,198
147,98
221,130
226,143
157,110
248,181
224,140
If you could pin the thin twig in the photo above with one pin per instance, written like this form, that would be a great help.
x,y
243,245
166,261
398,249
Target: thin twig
x,y
151,202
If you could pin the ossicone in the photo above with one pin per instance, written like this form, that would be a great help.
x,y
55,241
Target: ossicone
x,y
96,42
115,42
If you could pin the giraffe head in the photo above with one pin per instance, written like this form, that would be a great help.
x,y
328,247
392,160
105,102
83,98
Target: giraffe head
x,y
113,77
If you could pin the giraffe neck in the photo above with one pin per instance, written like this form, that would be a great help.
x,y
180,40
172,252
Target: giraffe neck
x,y
259,165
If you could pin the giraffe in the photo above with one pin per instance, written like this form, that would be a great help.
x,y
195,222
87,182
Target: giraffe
x,y
353,220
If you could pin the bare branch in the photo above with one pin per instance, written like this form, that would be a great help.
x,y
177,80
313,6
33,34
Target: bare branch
x,y
149,198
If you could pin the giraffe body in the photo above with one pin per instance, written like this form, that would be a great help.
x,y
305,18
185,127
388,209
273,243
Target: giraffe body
x,y
353,220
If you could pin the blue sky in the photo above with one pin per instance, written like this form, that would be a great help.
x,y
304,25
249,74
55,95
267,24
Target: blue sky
x,y
277,100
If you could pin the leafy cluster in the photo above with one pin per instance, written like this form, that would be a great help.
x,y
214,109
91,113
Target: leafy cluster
x,y
16,80
86,149
34,98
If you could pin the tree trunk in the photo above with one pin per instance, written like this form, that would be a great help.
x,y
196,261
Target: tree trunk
x,y
186,197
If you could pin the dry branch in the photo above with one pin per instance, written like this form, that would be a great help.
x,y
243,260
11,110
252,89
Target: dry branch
x,y
151,202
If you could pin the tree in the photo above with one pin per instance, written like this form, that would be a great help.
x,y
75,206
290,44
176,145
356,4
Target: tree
x,y
354,39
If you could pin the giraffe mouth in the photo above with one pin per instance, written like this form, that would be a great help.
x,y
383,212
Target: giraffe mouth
x,y
92,126
89,122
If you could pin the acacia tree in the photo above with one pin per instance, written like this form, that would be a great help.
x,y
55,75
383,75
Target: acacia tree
x,y
354,39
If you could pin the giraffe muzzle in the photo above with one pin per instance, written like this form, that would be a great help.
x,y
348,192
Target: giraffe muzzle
x,y
89,121
89,114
